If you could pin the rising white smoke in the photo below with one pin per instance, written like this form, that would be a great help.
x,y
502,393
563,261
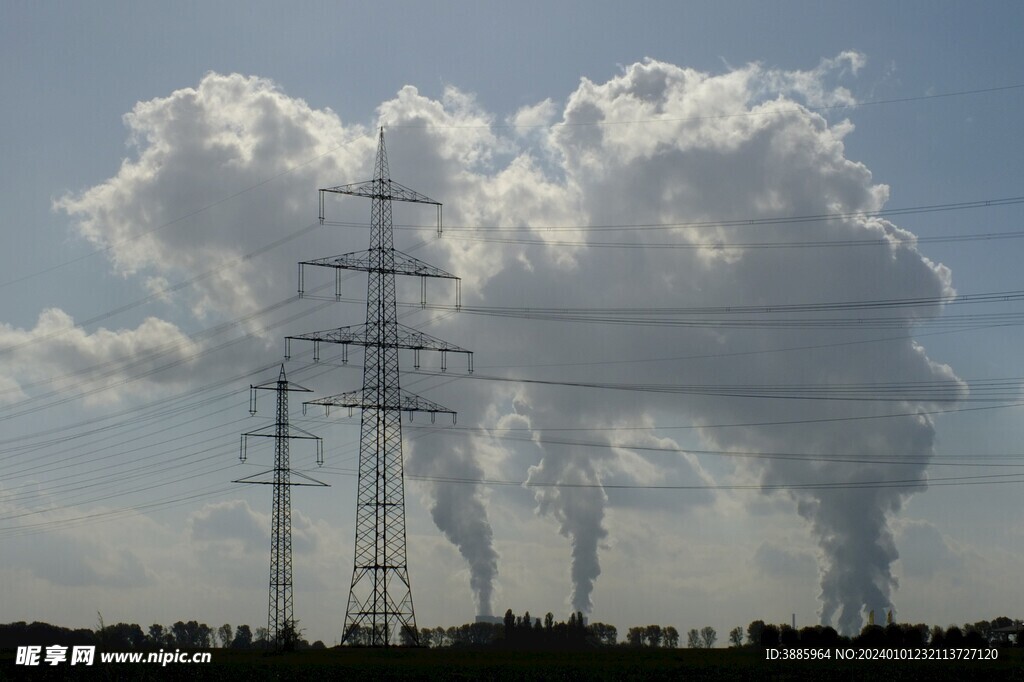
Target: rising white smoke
x,y
661,144
460,512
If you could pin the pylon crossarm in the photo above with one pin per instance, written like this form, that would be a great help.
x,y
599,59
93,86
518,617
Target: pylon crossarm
x,y
365,261
383,189
307,435
408,402
414,403
398,264
270,472
350,399
272,386
406,338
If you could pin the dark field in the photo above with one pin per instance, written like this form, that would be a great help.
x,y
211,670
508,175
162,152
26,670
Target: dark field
x,y
620,663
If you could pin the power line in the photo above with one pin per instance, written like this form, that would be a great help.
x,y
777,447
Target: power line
x,y
984,479
889,241
988,479
988,390
163,292
822,420
734,222
537,436
712,117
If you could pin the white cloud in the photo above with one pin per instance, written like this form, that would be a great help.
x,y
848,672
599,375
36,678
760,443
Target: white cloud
x,y
68,358
163,213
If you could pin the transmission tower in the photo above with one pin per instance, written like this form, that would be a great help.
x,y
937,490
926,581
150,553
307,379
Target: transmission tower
x,y
281,617
380,597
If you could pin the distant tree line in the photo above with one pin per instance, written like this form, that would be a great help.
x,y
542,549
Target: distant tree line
x,y
704,638
652,636
528,632
522,632
131,636
1000,631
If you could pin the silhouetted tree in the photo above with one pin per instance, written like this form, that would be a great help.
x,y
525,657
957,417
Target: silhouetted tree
x,y
158,636
708,636
829,636
289,638
818,636
893,635
193,635
635,636
20,633
262,639
770,635
480,634
954,637
440,638
914,635
179,634
225,635
426,637
870,636
510,625
976,634
243,638
123,637
407,636
736,637
204,636
671,637
754,632
653,635
693,639
982,627
602,633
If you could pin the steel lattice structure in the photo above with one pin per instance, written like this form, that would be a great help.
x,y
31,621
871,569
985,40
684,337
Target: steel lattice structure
x,y
380,605
281,613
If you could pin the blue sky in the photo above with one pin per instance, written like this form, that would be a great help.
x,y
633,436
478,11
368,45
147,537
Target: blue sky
x,y
70,74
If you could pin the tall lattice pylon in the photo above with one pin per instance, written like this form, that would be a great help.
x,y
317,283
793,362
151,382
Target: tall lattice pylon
x,y
281,613
380,608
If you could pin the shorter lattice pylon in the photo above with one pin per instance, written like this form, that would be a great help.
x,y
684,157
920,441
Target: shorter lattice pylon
x,y
282,629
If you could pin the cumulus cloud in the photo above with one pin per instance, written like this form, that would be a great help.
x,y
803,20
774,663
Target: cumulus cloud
x,y
643,156
226,138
